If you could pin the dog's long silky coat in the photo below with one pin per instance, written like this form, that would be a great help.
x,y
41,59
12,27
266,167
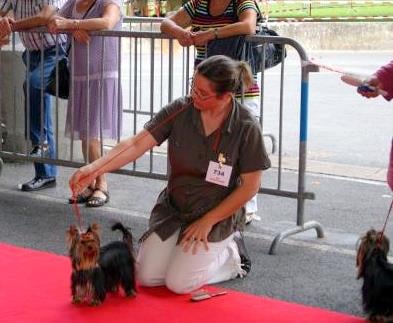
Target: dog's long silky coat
x,y
377,274
96,270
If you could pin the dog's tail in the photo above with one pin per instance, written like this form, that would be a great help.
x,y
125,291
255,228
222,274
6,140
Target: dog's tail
x,y
127,236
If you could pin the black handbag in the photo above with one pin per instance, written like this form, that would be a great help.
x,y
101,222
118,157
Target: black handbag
x,y
63,80
273,52
63,71
229,46
238,48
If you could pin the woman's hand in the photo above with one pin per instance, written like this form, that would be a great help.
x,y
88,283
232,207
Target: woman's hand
x,y
371,88
5,30
185,38
196,235
81,36
57,23
81,179
201,38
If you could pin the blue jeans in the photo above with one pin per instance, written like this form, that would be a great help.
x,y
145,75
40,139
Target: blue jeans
x,y
34,83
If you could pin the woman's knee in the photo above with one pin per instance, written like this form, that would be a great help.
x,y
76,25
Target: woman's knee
x,y
181,283
177,286
148,272
149,278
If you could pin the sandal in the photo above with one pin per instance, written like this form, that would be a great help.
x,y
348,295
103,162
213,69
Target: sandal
x,y
82,197
97,201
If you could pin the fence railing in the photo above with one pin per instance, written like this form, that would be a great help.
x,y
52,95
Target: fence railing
x,y
153,70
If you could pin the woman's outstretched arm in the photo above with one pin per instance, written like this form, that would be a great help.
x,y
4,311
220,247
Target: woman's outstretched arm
x,y
123,153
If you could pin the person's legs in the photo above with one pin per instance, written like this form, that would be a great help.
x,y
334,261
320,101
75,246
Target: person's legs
x,y
100,195
187,272
251,206
39,116
153,258
42,138
253,105
165,263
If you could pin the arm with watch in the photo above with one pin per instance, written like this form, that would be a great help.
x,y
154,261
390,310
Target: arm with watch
x,y
177,25
246,25
110,16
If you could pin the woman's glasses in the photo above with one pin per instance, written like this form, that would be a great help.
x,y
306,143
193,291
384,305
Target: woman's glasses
x,y
194,91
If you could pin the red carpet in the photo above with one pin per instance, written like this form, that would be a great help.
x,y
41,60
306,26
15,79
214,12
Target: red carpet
x,y
34,288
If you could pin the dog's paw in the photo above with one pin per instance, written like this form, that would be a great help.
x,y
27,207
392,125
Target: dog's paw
x,y
131,293
95,302
76,300
377,319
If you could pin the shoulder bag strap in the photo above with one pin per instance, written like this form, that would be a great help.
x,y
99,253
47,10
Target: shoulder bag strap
x,y
88,10
83,17
260,17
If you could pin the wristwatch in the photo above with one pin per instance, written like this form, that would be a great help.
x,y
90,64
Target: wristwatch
x,y
215,31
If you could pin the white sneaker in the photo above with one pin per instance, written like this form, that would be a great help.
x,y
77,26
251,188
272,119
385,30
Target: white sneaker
x,y
252,216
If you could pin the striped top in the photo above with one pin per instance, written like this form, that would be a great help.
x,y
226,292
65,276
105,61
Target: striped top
x,y
28,8
201,20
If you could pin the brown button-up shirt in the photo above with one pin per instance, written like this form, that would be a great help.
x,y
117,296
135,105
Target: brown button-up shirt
x,y
188,196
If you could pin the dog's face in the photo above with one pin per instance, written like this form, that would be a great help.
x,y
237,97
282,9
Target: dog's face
x,y
368,243
84,247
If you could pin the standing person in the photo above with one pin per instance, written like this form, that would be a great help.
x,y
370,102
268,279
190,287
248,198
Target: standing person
x,y
215,19
81,16
381,80
216,155
29,14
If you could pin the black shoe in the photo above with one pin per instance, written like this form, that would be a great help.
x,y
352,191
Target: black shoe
x,y
40,151
245,259
39,183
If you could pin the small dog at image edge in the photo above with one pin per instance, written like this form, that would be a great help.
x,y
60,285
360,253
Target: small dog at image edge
x,y
98,270
377,274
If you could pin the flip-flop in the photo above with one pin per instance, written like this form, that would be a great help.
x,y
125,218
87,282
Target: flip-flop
x,y
82,197
97,201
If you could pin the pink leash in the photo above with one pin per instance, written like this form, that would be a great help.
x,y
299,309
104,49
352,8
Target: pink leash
x,y
386,222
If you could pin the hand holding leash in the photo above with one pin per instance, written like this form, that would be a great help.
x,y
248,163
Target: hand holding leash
x,y
368,87
81,179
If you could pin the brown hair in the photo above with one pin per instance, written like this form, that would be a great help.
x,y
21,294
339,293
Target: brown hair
x,y
226,74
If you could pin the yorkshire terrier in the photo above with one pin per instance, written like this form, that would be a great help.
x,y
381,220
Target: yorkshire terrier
x,y
95,270
377,274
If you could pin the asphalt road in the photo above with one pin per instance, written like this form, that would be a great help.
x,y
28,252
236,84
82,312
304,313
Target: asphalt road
x,y
307,270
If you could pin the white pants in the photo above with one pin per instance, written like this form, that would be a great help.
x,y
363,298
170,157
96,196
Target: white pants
x,y
253,105
165,263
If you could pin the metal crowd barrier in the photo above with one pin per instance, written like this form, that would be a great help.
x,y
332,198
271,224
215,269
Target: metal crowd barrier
x,y
153,70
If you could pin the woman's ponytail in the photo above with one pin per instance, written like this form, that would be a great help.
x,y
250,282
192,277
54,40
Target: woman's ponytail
x,y
245,75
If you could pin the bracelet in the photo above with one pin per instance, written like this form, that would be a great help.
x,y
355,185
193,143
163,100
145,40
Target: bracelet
x,y
76,24
215,31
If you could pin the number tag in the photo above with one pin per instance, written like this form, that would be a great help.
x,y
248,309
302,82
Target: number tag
x,y
218,174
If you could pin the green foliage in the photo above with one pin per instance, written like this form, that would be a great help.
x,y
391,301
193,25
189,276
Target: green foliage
x,y
323,9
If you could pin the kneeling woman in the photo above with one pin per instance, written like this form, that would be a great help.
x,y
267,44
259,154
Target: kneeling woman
x,y
216,156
